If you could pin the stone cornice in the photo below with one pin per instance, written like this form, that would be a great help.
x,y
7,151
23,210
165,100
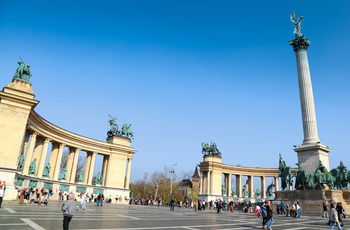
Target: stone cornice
x,y
38,124
18,99
239,170
300,43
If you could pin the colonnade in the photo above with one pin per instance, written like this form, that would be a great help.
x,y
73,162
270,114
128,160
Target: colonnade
x,y
43,142
36,147
31,150
217,176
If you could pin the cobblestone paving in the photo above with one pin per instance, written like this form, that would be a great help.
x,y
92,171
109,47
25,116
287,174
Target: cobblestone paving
x,y
135,217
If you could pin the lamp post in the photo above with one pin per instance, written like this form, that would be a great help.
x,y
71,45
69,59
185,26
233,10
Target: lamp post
x,y
171,181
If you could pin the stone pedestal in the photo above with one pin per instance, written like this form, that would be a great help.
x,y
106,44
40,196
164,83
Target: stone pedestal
x,y
311,200
309,156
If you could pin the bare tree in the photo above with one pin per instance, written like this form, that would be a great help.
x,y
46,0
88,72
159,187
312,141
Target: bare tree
x,y
186,175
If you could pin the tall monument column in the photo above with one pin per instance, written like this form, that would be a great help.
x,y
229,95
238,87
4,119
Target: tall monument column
x,y
311,151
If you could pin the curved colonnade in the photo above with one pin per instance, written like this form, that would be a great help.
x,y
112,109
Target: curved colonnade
x,y
216,177
117,157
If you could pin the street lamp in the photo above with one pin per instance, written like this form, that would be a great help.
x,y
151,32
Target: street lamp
x,y
171,181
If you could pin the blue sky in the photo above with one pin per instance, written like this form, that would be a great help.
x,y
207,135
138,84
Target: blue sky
x,y
183,73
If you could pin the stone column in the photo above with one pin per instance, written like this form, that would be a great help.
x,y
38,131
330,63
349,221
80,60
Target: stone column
x,y
251,186
239,185
127,180
312,150
69,165
41,164
105,170
75,164
276,183
57,163
305,89
201,184
87,167
209,183
91,168
53,159
38,151
29,154
25,142
229,185
263,186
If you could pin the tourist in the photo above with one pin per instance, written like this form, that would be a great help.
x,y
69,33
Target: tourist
x,y
269,215
82,201
282,208
21,196
278,208
102,198
287,208
263,214
325,210
333,217
257,211
294,210
68,209
340,211
172,204
195,204
219,206
298,209
2,191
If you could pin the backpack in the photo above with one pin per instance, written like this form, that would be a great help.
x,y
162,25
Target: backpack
x,y
263,211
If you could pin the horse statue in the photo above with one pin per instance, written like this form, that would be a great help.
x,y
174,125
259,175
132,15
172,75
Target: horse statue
x,y
215,150
323,177
210,149
286,179
22,72
126,131
335,173
301,178
114,127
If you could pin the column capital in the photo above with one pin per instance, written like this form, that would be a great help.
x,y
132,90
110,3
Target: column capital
x,y
47,140
300,43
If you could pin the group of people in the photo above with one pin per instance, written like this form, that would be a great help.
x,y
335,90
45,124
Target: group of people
x,y
291,209
264,209
27,195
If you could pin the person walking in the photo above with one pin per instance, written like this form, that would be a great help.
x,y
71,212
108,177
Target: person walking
x,y
263,214
298,209
282,208
83,201
68,209
340,211
333,217
269,216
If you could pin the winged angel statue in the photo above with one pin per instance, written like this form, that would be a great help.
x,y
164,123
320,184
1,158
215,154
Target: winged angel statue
x,y
297,23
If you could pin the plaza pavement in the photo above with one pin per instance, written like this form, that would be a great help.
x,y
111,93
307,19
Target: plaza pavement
x,y
136,217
